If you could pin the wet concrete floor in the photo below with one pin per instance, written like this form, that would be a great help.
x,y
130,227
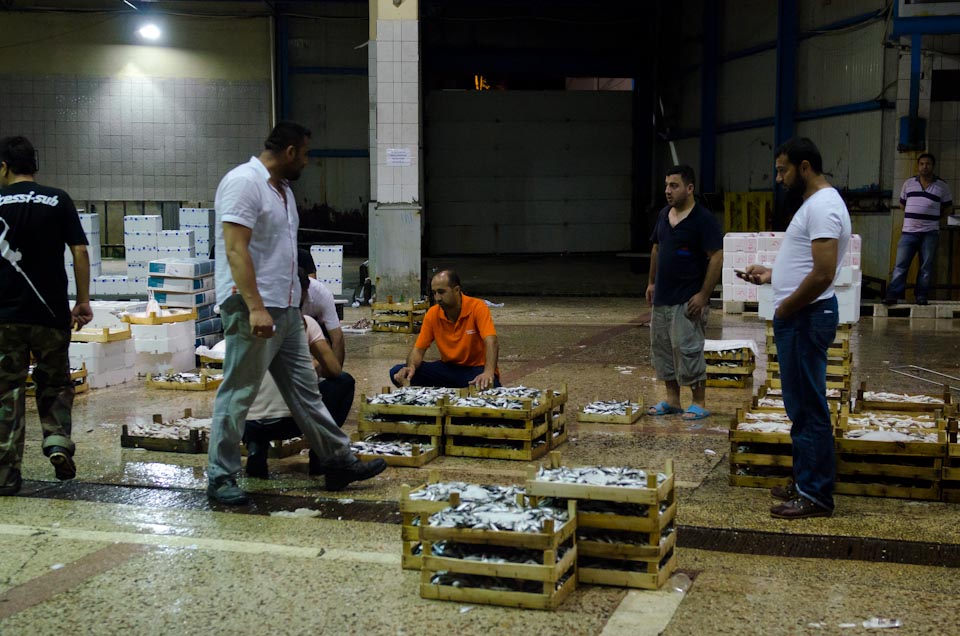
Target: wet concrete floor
x,y
133,544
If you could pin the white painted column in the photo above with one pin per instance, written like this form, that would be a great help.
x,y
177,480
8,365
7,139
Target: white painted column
x,y
396,225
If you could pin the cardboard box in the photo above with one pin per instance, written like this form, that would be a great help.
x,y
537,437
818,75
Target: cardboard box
x,y
171,299
208,340
183,285
182,267
207,311
208,326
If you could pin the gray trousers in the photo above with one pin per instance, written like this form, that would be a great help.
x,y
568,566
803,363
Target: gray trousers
x,y
287,357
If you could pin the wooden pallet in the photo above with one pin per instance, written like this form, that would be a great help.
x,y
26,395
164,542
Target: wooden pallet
x,y
195,444
104,334
420,455
629,417
205,384
920,407
171,315
557,576
768,454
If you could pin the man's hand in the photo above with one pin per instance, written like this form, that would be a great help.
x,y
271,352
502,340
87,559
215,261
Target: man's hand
x,y
756,274
650,294
404,376
261,323
697,304
81,315
484,380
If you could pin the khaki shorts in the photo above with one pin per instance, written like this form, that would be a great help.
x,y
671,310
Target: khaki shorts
x,y
676,345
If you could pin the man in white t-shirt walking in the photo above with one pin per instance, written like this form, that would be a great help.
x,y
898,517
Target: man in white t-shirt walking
x,y
805,324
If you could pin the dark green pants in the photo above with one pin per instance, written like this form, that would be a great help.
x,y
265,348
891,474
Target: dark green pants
x,y
55,391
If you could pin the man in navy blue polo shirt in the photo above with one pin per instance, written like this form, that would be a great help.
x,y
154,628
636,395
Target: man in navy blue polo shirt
x,y
924,198
685,266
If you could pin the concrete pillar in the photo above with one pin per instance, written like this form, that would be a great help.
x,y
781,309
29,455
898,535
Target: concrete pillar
x,y
396,219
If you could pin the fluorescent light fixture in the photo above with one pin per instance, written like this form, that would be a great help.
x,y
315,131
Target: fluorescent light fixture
x,y
149,32
131,5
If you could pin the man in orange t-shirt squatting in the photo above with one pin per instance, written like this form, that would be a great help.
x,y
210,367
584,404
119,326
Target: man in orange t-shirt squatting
x,y
465,336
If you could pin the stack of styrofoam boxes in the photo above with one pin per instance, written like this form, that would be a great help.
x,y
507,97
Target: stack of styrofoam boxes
x,y
848,282
140,232
91,227
739,251
768,244
329,262
164,347
108,363
186,283
201,222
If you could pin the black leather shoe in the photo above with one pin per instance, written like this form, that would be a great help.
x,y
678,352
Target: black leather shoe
x,y
63,466
13,485
341,477
257,460
799,508
315,467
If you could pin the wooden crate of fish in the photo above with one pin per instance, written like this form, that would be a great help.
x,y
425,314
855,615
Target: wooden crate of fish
x,y
844,331
407,451
611,412
558,428
761,451
950,477
625,521
488,561
890,454
486,448
279,448
404,317
171,381
167,437
406,411
741,354
166,316
887,401
722,381
417,504
839,382
839,350
77,376
768,397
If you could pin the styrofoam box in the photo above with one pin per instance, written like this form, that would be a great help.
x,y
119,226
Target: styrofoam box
x,y
183,285
176,252
765,308
72,287
848,301
742,293
142,254
137,284
206,311
767,259
848,276
182,267
175,238
105,313
327,254
856,243
204,232
165,330
185,300
196,216
740,242
208,326
769,241
739,260
142,223
203,247
335,285
208,340
140,239
110,285
90,222
728,276
165,345
180,361
111,378
137,269
850,259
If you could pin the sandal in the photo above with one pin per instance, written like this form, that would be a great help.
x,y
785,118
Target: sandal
x,y
695,412
662,408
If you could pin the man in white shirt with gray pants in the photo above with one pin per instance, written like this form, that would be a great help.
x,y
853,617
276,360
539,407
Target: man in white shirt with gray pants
x,y
805,324
259,296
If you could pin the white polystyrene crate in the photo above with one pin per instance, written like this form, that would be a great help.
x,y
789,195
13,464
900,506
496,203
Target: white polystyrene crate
x,y
176,238
145,363
327,254
165,345
769,241
740,293
848,302
848,276
176,252
739,260
90,222
335,285
142,223
196,216
165,330
765,308
856,243
767,259
728,276
740,242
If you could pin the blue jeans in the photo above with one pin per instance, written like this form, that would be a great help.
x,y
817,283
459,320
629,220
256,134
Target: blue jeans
x,y
443,374
802,343
247,359
910,244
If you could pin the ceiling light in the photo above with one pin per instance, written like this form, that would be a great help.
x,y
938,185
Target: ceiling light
x,y
149,31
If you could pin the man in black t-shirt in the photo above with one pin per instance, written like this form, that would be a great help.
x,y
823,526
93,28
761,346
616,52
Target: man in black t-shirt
x,y
36,222
685,266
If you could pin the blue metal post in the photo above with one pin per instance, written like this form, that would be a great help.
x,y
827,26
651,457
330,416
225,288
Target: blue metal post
x,y
787,32
708,96
916,58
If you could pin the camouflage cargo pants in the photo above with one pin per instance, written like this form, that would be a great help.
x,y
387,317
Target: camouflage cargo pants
x,y
54,390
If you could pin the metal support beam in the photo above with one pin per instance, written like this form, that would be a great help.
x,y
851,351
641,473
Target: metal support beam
x,y
283,64
787,19
709,96
932,25
916,59
328,70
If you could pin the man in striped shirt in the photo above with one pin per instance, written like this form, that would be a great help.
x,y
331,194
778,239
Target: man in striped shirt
x,y
924,199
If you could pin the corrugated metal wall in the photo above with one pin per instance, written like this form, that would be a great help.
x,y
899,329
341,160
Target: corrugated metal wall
x,y
528,171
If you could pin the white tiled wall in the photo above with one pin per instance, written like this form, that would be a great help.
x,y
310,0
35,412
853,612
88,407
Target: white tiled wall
x,y
395,95
136,138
